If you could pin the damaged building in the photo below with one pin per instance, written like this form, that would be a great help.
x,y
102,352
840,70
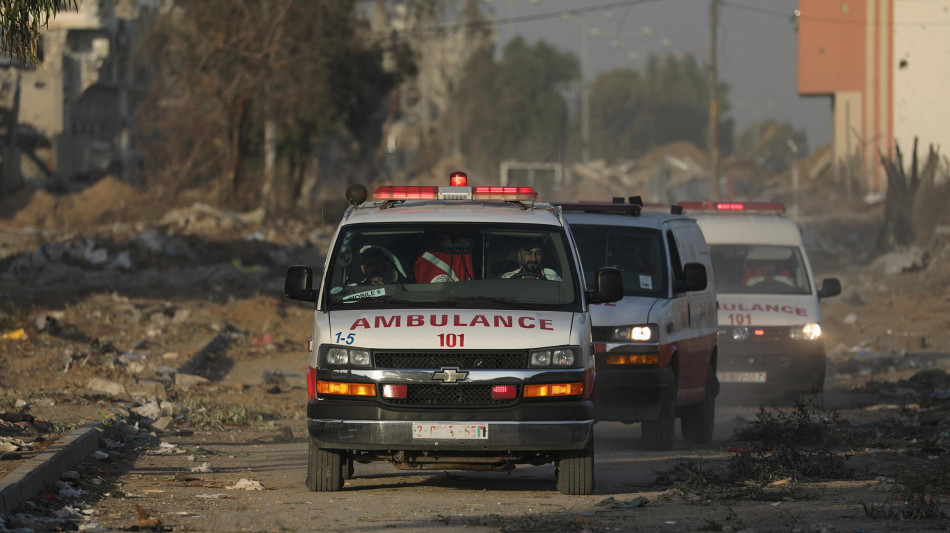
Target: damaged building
x,y
68,119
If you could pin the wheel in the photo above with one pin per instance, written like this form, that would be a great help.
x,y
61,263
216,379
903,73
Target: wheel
x,y
814,400
697,421
658,434
348,468
575,470
324,469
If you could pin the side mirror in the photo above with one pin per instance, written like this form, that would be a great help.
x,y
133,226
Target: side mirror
x,y
694,278
608,287
298,284
829,287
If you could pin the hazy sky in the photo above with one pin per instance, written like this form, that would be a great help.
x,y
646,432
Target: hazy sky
x,y
757,47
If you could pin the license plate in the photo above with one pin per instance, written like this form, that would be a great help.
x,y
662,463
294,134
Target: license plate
x,y
741,377
428,430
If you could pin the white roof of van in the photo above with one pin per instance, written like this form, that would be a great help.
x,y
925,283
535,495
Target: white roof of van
x,y
723,228
646,219
453,211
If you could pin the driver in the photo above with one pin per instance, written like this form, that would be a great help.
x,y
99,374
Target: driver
x,y
530,257
377,267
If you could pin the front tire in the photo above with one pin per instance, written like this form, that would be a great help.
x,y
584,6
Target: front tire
x,y
575,470
658,434
698,420
324,469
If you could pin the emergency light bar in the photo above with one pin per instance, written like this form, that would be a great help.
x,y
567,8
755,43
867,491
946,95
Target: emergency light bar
x,y
434,192
747,207
600,207
506,193
405,192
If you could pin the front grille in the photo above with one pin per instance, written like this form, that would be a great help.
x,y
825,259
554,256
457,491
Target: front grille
x,y
461,360
769,333
449,396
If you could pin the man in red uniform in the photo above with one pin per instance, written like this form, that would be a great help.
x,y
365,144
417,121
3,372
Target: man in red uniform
x,y
766,272
449,260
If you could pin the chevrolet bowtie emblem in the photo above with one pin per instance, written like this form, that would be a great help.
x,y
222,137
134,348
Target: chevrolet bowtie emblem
x,y
450,375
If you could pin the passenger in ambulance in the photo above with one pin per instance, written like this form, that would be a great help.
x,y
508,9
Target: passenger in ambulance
x,y
768,271
530,255
379,266
445,259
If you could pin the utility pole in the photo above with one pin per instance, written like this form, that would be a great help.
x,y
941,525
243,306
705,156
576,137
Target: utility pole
x,y
585,94
713,101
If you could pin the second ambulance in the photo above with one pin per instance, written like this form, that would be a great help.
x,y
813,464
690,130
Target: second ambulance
x,y
451,331
770,342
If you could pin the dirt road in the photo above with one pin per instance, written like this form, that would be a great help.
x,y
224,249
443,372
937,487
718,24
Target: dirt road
x,y
193,483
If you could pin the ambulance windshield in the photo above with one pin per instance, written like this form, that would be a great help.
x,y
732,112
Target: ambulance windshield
x,y
636,252
438,265
759,269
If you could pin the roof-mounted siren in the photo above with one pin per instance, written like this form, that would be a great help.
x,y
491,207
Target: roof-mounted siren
x,y
735,207
676,210
618,199
635,200
457,190
458,179
356,194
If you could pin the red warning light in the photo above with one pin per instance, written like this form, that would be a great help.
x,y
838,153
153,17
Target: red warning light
x,y
458,179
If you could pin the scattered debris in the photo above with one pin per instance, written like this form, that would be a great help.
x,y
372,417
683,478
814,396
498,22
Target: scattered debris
x,y
245,484
611,503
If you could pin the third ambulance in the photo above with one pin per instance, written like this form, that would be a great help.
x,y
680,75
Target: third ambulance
x,y
770,342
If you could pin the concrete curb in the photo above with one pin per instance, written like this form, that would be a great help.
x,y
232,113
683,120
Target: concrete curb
x,y
30,478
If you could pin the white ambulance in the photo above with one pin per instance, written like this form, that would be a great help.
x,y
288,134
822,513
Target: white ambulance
x,y
452,331
770,343
655,350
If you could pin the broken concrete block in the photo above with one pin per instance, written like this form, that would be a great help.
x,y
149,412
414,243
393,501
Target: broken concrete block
x,y
106,386
189,380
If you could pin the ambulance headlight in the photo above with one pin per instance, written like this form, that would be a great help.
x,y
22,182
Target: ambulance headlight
x,y
553,357
808,332
337,356
642,333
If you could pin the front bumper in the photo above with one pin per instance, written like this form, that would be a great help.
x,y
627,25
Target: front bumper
x,y
503,435
771,368
631,394
529,426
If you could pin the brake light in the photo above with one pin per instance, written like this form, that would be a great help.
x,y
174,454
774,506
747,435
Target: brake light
x,y
398,392
774,207
405,192
311,382
506,193
504,392
553,389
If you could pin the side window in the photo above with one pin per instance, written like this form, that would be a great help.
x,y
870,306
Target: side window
x,y
675,261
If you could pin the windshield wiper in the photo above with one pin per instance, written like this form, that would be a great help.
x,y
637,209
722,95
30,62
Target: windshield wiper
x,y
382,300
